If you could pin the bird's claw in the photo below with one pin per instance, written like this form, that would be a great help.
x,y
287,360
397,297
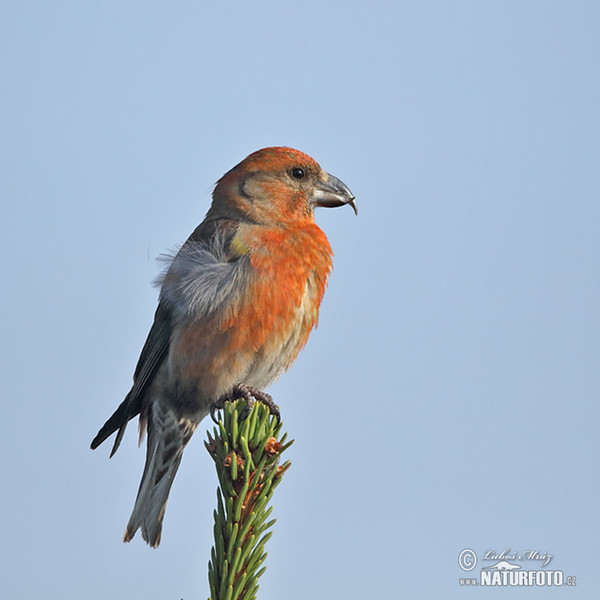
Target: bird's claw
x,y
215,407
249,394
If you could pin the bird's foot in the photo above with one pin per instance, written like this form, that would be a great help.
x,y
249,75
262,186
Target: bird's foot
x,y
249,394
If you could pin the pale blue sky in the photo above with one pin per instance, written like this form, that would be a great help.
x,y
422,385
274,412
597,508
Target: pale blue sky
x,y
448,399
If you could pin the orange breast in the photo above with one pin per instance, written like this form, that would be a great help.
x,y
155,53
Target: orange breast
x,y
260,335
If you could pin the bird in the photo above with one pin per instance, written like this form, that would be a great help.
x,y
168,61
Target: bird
x,y
236,305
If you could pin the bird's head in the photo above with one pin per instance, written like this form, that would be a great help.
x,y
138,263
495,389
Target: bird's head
x,y
278,185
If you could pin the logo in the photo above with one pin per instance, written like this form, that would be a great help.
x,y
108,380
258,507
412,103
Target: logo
x,y
511,569
503,566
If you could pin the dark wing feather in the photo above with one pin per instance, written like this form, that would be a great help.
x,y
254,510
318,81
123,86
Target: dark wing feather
x,y
157,345
153,353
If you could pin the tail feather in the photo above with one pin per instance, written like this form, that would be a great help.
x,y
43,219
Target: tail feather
x,y
167,437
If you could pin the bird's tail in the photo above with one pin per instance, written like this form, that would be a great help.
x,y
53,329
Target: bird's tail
x,y
167,437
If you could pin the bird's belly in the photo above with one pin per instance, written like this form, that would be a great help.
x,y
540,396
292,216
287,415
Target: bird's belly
x,y
252,347
270,360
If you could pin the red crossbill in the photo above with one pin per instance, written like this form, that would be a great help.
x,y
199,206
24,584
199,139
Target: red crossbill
x,y
236,305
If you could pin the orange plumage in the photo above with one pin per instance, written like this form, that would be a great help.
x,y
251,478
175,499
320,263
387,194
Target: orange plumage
x,y
236,306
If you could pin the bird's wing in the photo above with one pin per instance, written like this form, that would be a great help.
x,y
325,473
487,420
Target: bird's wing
x,y
153,353
200,277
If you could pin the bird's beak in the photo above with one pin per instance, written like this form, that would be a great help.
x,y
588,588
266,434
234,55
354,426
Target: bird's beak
x,y
332,192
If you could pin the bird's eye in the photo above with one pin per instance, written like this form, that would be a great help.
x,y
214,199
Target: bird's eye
x,y
297,172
